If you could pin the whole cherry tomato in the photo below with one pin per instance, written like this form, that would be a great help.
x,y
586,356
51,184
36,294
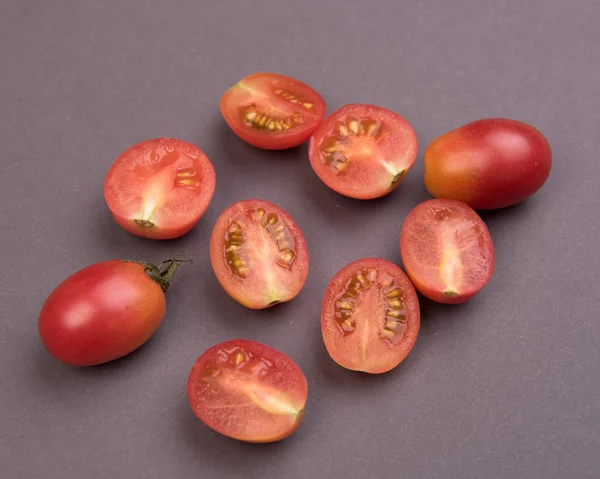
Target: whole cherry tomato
x,y
490,163
105,311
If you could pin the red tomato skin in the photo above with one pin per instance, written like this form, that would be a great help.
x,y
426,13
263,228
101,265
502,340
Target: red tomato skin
x,y
101,313
287,372
183,224
488,164
426,289
267,140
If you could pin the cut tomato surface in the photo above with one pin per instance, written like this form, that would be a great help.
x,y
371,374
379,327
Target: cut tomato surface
x,y
259,254
248,391
447,250
160,188
272,111
363,151
370,316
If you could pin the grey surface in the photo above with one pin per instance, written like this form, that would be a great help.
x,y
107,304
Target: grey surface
x,y
505,386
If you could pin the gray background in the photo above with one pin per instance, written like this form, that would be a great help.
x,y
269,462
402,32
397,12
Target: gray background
x,y
505,386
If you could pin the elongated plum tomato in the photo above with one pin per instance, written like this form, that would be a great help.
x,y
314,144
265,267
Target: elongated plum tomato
x,y
160,188
446,250
370,317
363,151
258,254
490,163
105,311
272,111
247,391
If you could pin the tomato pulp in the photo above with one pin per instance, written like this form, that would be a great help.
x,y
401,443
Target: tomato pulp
x,y
259,254
370,316
447,250
363,151
247,391
160,188
272,111
489,163
105,311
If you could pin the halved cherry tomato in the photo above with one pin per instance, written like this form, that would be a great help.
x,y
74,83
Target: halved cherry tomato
x,y
363,151
247,391
489,163
272,111
447,250
258,254
370,317
105,311
160,188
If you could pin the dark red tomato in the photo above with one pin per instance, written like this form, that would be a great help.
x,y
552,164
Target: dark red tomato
x,y
272,111
160,188
259,254
248,391
363,151
370,317
446,250
488,164
105,311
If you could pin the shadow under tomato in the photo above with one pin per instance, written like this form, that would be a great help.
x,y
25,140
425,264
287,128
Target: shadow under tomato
x,y
122,242
355,382
52,373
200,439
237,150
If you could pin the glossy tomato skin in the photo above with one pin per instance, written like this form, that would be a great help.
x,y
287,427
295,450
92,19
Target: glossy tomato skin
x,y
160,188
363,151
248,391
272,111
259,254
490,163
101,313
370,316
447,250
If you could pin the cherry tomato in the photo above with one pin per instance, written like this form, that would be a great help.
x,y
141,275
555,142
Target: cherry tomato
x,y
447,250
105,311
247,391
370,316
272,111
258,254
490,163
363,151
160,188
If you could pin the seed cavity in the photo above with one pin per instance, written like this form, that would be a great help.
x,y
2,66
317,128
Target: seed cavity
x,y
280,234
239,359
293,98
333,148
252,117
235,256
395,310
238,255
188,178
393,321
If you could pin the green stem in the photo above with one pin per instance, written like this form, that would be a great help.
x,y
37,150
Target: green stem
x,y
163,273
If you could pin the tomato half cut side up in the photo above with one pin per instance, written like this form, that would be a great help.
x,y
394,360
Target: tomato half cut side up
x,y
160,188
363,151
370,316
447,250
248,391
272,111
259,254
